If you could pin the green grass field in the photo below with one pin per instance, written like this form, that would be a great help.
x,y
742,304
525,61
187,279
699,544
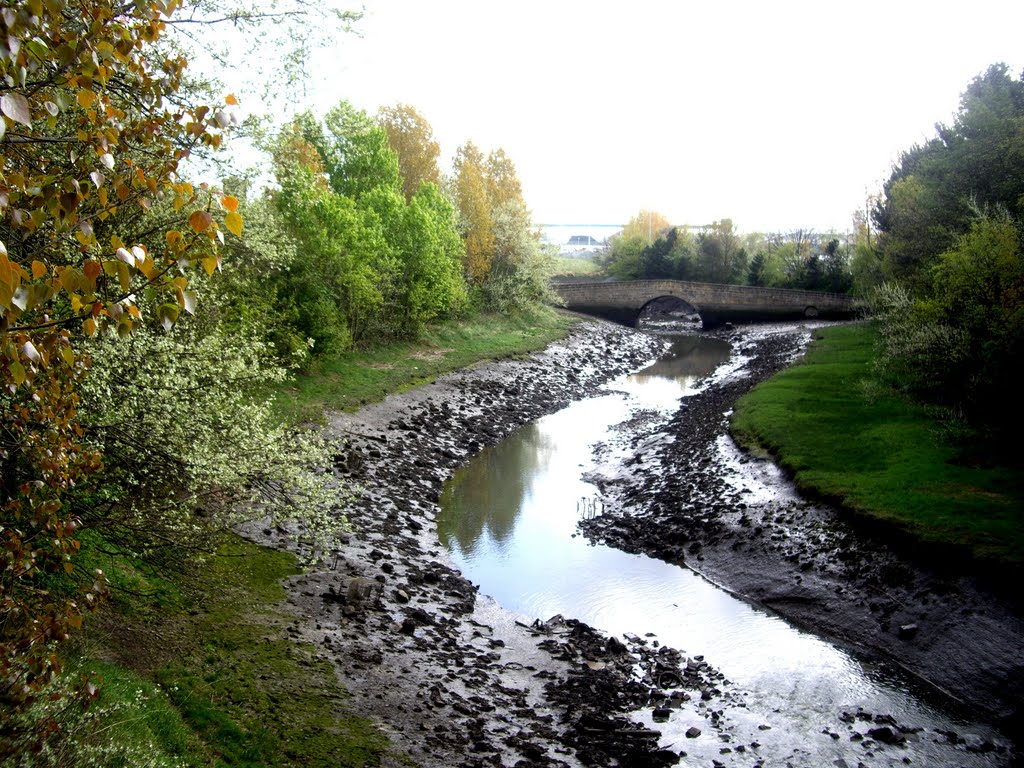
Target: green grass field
x,y
880,455
346,382
569,266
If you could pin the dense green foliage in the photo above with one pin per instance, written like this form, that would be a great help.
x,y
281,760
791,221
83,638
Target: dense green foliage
x,y
99,234
951,243
368,264
879,454
718,254
937,188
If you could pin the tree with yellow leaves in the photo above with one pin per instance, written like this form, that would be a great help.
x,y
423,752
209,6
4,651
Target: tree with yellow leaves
x,y
92,133
412,139
471,191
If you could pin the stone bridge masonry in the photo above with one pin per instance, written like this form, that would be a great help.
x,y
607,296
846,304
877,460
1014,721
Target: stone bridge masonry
x,y
623,301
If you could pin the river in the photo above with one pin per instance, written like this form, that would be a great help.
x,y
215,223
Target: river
x,y
509,521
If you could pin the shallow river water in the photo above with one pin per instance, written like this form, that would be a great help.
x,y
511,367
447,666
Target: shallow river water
x,y
509,522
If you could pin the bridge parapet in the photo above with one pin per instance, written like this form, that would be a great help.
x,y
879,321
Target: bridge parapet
x,y
623,301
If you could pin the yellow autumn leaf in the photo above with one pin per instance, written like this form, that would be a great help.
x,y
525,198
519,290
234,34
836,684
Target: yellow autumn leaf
x,y
124,276
86,98
230,203
89,326
210,264
17,371
233,221
230,99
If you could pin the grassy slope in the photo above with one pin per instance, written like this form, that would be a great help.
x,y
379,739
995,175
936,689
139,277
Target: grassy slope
x,y
196,670
569,266
354,379
881,456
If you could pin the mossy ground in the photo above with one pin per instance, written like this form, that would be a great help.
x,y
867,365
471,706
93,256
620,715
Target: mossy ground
x,y
198,669
882,456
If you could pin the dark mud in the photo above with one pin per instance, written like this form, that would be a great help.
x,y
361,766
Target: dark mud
x,y
689,496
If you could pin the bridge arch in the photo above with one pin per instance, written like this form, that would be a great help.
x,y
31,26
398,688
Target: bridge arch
x,y
668,305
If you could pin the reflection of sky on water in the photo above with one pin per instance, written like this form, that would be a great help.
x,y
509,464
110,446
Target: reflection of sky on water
x,y
509,518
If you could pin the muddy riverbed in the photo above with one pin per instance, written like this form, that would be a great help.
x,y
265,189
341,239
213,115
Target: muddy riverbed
x,y
456,680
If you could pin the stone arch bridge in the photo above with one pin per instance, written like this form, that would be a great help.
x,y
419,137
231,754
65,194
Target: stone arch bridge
x,y
624,301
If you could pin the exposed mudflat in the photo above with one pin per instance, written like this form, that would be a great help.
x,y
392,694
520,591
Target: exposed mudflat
x,y
457,681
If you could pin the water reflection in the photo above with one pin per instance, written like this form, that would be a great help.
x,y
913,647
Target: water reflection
x,y
491,496
509,517
690,359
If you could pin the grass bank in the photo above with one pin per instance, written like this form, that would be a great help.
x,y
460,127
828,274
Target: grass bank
x,y
197,668
879,455
572,266
346,382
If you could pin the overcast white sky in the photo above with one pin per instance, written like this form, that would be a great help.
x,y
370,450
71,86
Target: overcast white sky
x,y
778,115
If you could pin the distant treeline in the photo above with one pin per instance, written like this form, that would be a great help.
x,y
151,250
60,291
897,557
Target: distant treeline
x,y
649,247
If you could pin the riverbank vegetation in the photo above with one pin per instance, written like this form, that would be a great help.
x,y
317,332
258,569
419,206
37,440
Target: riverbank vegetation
x,y
347,381
845,435
920,408
197,668
146,318
649,247
950,261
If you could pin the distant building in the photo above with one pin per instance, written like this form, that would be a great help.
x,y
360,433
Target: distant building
x,y
582,244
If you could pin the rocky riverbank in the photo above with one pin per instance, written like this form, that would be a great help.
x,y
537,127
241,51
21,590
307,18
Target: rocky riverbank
x,y
453,679
689,496
456,681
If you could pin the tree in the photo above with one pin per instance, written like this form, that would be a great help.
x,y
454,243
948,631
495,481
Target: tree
x,y
960,346
503,187
721,259
472,198
412,139
381,266
756,275
356,153
93,132
624,259
521,268
933,192
339,288
433,264
646,225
